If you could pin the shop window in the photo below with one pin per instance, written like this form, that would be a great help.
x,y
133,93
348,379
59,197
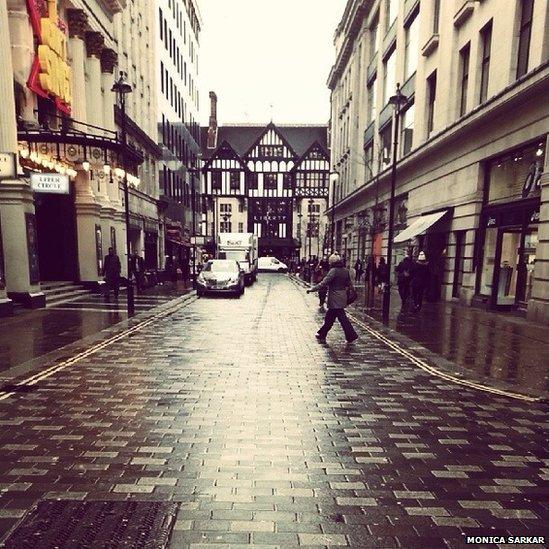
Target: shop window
x,y
516,175
488,261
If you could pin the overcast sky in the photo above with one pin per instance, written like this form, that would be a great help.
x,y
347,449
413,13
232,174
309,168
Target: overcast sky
x,y
258,53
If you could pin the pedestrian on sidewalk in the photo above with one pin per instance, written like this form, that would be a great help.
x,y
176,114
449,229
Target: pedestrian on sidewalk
x,y
382,275
337,281
404,277
111,273
138,270
321,271
359,269
420,280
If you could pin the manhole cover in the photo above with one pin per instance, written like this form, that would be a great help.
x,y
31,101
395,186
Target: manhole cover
x,y
95,525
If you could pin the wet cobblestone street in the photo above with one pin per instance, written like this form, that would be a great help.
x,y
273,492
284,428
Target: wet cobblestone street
x,y
232,410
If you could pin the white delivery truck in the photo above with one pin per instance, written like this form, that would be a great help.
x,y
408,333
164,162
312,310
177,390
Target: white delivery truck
x,y
241,247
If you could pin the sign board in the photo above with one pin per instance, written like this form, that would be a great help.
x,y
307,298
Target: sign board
x,y
7,165
50,183
198,240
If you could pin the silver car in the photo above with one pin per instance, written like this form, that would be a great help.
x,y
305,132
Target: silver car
x,y
222,276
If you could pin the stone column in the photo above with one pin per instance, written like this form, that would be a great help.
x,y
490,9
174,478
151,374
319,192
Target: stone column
x,y
538,306
77,21
15,196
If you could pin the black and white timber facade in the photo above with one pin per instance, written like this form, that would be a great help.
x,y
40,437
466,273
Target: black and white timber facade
x,y
271,180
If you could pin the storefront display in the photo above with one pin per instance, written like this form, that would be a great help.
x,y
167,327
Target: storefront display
x,y
510,227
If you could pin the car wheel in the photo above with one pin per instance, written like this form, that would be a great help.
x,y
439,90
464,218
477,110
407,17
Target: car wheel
x,y
281,270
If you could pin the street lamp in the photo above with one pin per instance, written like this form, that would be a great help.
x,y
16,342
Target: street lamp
x,y
398,101
299,216
122,88
310,226
194,171
334,178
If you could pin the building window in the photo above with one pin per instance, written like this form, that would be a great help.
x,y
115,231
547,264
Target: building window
x,y
386,138
392,11
431,98
225,227
525,32
270,181
389,75
216,180
225,208
407,129
374,36
287,181
369,159
436,16
252,181
271,151
411,51
372,98
240,227
486,41
464,84
235,181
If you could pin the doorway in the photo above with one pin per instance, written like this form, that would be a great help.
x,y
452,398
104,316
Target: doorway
x,y
515,266
56,236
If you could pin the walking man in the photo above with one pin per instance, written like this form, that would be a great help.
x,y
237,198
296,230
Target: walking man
x,y
359,269
320,272
338,280
111,272
420,280
404,277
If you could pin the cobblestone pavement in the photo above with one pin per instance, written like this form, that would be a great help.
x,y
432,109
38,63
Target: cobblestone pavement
x,y
230,408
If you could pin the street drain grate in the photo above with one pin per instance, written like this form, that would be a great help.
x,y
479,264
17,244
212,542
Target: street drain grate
x,y
95,525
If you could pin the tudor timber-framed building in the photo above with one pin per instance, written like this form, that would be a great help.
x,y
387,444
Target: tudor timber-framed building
x,y
271,180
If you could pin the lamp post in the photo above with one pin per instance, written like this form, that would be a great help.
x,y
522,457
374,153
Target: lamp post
x,y
310,226
299,216
397,100
194,171
122,88
334,177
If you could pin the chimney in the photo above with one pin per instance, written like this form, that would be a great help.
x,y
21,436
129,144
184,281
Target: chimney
x,y
212,128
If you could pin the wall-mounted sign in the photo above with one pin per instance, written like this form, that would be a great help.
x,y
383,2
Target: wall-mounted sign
x,y
50,75
7,165
50,183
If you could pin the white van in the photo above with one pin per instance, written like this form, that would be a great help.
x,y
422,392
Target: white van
x,y
241,247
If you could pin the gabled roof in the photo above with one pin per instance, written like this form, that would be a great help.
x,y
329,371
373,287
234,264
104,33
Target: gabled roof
x,y
225,151
315,145
270,126
242,137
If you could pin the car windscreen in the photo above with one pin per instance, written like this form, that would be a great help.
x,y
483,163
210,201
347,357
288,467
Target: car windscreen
x,y
221,266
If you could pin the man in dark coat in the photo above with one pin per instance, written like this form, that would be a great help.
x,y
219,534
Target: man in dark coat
x,y
138,270
111,272
420,280
404,276
337,281
359,269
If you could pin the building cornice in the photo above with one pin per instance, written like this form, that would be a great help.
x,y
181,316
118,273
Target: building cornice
x,y
351,24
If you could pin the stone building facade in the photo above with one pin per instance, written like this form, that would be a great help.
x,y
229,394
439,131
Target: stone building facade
x,y
472,180
59,119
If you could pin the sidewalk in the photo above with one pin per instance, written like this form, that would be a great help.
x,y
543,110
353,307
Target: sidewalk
x,y
495,348
30,334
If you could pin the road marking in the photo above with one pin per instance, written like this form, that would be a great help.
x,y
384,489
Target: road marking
x,y
48,372
438,373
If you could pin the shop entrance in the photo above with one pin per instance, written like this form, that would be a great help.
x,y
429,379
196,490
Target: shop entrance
x,y
56,236
516,249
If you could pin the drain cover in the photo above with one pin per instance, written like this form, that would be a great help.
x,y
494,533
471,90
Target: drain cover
x,y
95,525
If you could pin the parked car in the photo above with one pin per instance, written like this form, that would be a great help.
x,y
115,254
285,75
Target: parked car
x,y
271,264
221,276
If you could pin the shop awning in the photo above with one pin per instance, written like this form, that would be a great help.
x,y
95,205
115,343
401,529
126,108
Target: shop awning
x,y
419,226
